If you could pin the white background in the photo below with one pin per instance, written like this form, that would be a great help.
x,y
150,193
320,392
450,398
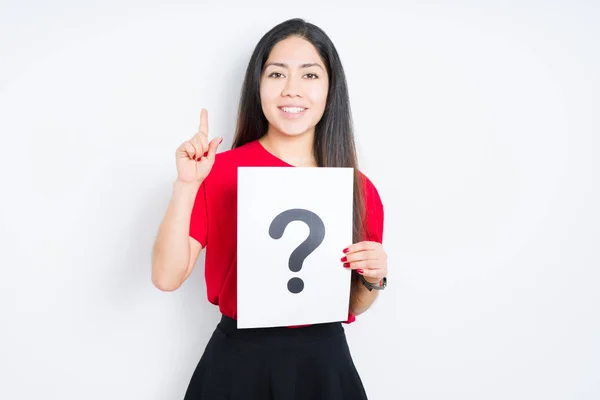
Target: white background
x,y
477,121
263,262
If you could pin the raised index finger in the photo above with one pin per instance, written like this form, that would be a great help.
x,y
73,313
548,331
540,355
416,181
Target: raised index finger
x,y
203,130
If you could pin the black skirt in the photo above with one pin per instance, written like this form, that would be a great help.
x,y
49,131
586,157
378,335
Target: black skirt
x,y
307,363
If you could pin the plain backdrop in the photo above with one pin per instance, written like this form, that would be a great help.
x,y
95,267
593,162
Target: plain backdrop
x,y
478,121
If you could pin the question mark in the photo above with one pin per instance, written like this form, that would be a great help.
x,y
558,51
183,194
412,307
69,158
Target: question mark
x,y
314,239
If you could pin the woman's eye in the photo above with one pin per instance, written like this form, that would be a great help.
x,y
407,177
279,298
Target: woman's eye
x,y
279,75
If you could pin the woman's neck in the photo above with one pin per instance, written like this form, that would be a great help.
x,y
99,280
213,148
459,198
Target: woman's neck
x,y
296,150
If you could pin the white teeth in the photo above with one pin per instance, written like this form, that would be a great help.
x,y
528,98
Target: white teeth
x,y
293,110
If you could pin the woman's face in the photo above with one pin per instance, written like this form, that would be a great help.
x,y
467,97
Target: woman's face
x,y
293,87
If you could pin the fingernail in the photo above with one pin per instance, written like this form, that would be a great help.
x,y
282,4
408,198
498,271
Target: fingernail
x,y
344,259
360,271
346,250
221,141
205,154
346,265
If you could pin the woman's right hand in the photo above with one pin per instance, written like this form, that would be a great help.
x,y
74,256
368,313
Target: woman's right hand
x,y
195,157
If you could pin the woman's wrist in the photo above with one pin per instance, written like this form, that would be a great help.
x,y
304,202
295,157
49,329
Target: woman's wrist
x,y
373,281
177,184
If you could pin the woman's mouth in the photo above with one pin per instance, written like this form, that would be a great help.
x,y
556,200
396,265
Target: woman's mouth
x,y
293,112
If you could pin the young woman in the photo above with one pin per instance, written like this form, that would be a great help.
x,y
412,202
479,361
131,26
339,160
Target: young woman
x,y
294,112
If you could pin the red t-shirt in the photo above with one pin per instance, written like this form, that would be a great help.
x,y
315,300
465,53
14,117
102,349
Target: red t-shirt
x,y
214,220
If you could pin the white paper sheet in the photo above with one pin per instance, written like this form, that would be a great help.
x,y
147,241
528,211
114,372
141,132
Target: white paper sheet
x,y
269,292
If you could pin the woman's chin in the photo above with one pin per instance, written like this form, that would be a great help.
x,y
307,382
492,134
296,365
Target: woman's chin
x,y
288,130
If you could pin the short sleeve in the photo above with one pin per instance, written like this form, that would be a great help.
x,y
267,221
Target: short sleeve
x,y
374,214
199,220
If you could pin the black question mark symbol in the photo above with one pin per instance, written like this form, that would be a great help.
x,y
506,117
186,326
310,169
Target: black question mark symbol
x,y
314,239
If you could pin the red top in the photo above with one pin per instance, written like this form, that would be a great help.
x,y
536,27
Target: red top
x,y
214,220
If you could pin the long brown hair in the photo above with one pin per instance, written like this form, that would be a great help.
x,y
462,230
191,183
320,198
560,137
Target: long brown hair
x,y
334,134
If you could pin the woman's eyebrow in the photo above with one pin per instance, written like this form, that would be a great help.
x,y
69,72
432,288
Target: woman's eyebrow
x,y
283,65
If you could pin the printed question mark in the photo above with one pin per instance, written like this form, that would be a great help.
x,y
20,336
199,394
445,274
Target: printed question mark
x,y
314,239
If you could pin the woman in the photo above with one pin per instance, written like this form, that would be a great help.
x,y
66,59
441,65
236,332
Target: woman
x,y
294,112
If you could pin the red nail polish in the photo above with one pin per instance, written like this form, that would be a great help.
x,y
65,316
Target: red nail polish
x,y
205,154
344,259
346,250
221,141
360,271
346,265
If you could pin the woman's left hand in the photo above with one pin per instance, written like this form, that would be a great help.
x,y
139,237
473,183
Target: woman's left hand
x,y
368,259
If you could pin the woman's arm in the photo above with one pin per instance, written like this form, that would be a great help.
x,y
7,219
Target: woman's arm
x,y
369,259
175,252
361,298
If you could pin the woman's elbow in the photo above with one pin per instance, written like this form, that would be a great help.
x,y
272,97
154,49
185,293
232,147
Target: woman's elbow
x,y
165,282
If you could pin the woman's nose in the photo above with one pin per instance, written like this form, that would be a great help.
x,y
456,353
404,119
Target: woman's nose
x,y
292,88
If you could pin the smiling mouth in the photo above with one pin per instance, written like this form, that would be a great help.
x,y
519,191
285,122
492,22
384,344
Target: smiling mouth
x,y
293,110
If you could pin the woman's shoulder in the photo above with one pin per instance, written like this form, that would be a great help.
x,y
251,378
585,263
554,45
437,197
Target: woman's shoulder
x,y
369,188
236,154
227,161
374,210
